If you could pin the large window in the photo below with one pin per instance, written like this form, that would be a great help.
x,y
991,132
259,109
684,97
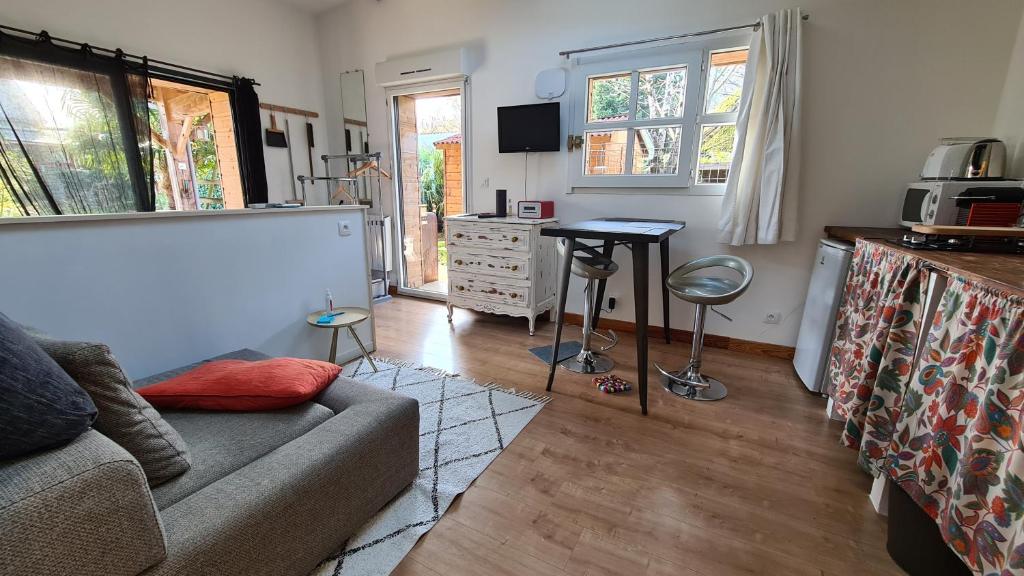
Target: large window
x,y
659,118
84,132
65,143
195,157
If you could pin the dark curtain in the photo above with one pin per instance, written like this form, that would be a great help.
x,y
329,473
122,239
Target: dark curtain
x,y
74,131
140,91
250,141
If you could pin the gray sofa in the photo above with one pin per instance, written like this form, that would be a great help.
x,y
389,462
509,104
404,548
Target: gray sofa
x,y
269,493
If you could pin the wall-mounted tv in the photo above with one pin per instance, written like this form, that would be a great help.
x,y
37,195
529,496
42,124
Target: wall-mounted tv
x,y
529,128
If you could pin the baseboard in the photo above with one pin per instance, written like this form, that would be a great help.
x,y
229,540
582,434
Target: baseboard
x,y
723,342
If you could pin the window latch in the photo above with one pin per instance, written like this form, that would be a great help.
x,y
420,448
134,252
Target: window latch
x,y
574,142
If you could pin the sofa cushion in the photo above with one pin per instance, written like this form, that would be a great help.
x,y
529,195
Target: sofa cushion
x,y
241,385
223,442
287,511
42,406
124,416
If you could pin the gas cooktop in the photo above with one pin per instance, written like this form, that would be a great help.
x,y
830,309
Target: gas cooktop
x,y
952,243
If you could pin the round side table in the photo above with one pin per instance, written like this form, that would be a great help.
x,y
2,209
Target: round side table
x,y
349,318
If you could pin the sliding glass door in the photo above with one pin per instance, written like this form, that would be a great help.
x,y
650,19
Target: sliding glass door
x,y
428,124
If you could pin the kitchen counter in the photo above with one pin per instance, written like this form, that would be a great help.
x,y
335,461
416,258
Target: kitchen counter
x,y
1000,270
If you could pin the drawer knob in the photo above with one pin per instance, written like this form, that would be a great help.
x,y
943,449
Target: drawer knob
x,y
515,267
492,291
458,234
515,238
460,288
513,295
458,262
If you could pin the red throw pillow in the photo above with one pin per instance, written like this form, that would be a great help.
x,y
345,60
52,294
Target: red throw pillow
x,y
240,385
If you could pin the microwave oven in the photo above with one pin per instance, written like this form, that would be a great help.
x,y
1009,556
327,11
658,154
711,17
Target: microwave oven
x,y
947,202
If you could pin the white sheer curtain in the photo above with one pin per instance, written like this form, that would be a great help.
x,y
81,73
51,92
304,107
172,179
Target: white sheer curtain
x,y
760,202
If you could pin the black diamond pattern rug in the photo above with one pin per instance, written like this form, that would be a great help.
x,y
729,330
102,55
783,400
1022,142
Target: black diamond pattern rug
x,y
463,428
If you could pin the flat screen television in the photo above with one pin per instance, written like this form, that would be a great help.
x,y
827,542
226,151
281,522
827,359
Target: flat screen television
x,y
529,128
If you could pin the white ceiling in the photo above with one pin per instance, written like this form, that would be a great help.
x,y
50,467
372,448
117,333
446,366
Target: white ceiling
x,y
314,5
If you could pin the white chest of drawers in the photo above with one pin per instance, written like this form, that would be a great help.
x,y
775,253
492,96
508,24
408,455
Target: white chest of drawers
x,y
500,266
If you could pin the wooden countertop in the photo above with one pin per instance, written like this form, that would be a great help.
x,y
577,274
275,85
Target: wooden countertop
x,y
1004,271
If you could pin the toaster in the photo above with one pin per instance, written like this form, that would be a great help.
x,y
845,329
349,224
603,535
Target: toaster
x,y
966,159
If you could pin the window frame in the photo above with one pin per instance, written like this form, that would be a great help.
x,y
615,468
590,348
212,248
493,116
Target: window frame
x,y
696,56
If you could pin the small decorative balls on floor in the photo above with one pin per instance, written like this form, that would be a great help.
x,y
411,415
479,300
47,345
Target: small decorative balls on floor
x,y
612,384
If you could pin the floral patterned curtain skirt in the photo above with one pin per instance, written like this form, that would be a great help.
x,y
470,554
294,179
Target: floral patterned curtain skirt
x,y
873,349
943,422
956,447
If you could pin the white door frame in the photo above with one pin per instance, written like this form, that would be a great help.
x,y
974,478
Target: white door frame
x,y
462,84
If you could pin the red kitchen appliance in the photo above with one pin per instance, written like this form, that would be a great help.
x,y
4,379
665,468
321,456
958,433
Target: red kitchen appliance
x,y
536,209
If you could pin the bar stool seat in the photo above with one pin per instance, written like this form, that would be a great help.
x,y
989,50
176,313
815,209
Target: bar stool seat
x,y
703,291
591,265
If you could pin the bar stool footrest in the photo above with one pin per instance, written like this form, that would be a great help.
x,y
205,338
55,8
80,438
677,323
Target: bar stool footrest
x,y
692,385
611,338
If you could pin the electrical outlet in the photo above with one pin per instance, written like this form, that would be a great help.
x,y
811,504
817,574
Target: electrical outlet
x,y
772,317
611,303
343,229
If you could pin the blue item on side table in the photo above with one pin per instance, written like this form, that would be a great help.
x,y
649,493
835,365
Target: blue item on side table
x,y
328,318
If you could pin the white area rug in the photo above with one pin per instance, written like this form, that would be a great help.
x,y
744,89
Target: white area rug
x,y
463,427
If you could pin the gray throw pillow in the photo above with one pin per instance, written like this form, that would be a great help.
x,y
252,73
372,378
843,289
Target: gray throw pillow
x,y
41,407
124,416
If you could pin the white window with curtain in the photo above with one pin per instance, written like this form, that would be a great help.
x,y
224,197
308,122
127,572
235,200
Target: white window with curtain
x,y
661,117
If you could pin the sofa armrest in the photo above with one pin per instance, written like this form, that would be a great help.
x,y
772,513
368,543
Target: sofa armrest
x,y
345,393
285,512
82,509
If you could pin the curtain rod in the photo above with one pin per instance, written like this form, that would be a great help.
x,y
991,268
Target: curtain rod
x,y
45,36
753,26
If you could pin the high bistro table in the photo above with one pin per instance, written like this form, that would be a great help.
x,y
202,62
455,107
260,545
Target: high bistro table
x,y
637,235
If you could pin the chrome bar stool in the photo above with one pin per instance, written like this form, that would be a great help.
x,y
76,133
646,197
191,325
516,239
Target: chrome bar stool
x,y
590,264
704,291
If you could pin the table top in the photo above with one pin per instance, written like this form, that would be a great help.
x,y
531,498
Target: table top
x,y
1004,271
351,316
622,229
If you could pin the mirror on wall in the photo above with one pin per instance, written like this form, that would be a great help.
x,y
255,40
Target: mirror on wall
x,y
367,188
353,112
357,138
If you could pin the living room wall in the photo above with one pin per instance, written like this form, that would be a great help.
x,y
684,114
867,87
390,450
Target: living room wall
x,y
883,81
268,41
168,289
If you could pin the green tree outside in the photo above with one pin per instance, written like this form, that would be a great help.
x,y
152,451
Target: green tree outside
x,y
432,180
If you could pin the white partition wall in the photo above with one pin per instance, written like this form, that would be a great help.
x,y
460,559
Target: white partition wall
x,y
164,290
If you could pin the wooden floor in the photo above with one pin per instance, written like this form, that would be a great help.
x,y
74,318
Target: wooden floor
x,y
754,484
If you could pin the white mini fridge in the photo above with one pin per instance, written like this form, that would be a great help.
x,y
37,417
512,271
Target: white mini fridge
x,y
831,264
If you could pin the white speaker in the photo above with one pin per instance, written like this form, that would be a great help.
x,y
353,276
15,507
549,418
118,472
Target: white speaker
x,y
550,83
